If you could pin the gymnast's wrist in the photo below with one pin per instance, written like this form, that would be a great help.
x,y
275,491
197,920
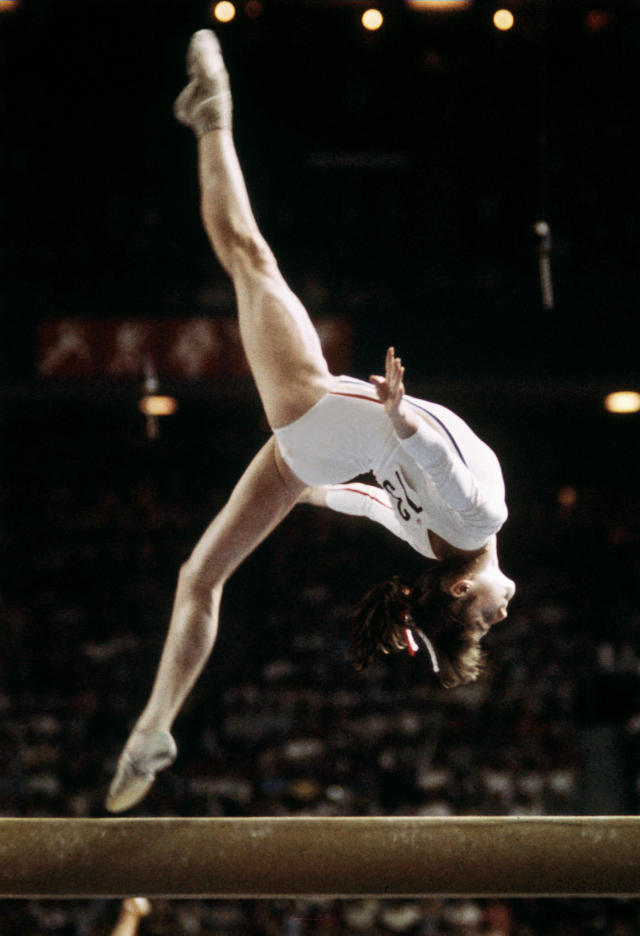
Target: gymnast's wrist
x,y
404,422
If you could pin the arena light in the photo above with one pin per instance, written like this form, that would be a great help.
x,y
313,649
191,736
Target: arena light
x,y
567,497
597,20
503,20
223,11
437,5
372,19
622,401
155,405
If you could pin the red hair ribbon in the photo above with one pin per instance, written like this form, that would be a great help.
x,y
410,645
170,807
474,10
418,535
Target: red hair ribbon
x,y
412,646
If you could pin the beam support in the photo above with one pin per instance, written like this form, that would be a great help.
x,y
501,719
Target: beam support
x,y
552,856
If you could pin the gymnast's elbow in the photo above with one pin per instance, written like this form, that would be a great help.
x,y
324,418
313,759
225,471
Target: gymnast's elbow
x,y
495,516
487,519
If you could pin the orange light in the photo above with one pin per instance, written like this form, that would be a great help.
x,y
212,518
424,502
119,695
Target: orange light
x,y
9,6
622,401
158,405
224,11
438,4
372,19
503,20
596,20
567,497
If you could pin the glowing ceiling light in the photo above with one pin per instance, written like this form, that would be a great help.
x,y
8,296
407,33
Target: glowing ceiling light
x,y
153,405
503,20
224,11
372,19
622,401
8,6
439,4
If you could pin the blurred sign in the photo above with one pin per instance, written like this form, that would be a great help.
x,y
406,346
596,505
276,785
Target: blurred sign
x,y
186,348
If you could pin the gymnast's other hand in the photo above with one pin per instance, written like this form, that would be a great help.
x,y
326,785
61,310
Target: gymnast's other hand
x,y
390,390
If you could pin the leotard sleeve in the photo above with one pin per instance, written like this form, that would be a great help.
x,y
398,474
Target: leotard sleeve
x,y
483,511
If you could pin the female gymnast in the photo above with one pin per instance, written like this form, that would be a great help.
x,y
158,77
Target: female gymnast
x,y
441,487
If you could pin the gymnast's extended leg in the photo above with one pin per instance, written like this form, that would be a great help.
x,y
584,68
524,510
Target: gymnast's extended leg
x,y
279,340
291,374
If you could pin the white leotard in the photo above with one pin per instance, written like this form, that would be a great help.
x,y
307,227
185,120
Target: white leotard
x,y
443,478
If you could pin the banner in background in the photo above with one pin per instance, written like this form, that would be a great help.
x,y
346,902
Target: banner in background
x,y
185,348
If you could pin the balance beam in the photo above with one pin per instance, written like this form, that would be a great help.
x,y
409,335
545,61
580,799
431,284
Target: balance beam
x,y
551,856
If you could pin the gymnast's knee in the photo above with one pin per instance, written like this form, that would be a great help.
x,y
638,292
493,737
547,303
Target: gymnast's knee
x,y
195,582
250,257
241,252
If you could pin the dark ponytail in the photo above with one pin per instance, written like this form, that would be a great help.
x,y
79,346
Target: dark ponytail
x,y
379,620
387,610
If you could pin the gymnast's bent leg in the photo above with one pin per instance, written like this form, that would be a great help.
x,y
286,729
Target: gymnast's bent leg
x,y
262,498
291,375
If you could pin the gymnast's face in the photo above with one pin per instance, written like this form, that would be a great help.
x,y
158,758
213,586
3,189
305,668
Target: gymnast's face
x,y
487,594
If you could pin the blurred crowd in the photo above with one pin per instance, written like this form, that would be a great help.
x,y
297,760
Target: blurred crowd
x,y
97,522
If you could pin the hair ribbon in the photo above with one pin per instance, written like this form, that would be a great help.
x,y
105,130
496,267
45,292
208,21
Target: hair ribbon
x,y
413,648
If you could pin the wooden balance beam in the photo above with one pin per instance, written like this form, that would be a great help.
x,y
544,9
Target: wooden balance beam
x,y
553,856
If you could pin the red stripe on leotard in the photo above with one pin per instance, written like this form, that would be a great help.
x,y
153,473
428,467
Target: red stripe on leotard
x,y
366,494
356,396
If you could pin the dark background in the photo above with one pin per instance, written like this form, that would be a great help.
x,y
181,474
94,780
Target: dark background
x,y
398,177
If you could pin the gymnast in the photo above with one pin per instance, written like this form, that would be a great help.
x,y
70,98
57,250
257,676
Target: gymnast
x,y
440,487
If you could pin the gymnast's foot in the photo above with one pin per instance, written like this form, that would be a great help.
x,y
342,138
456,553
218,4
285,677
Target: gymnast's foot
x,y
145,753
205,103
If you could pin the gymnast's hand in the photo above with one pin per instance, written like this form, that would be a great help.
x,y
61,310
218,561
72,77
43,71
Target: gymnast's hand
x,y
390,390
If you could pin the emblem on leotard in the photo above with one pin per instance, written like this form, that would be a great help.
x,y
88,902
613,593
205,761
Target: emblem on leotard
x,y
404,504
